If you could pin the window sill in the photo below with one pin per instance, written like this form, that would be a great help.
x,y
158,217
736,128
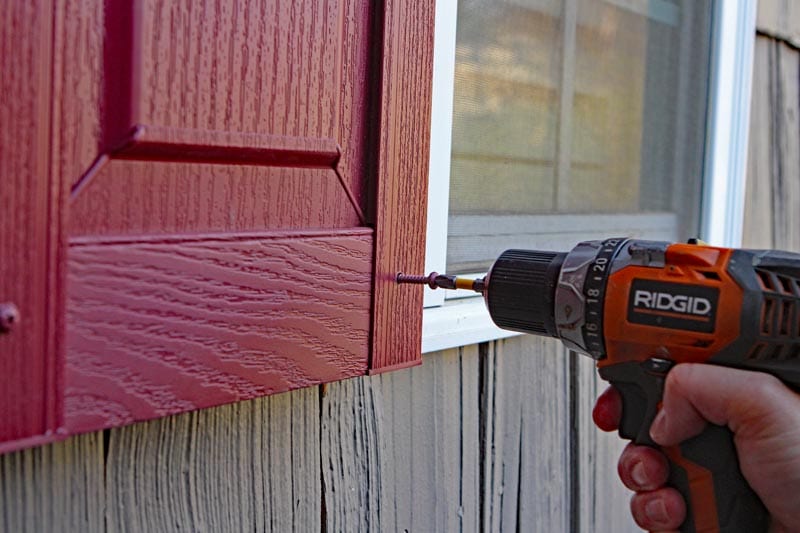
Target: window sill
x,y
459,323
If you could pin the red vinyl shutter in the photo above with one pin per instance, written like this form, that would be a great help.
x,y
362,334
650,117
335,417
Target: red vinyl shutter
x,y
239,182
27,357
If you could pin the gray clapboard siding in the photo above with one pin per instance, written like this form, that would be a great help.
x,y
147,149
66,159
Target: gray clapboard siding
x,y
758,212
780,19
352,439
400,450
772,216
474,439
431,418
251,466
58,487
603,499
525,425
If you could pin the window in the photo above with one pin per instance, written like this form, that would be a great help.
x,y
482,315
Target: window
x,y
557,121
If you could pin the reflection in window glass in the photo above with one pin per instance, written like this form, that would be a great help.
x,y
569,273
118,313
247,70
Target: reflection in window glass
x,y
577,106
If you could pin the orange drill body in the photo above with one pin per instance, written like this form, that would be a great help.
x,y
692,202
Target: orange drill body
x,y
638,332
640,307
630,336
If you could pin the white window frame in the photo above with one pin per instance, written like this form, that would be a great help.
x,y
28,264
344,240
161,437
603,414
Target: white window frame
x,y
463,321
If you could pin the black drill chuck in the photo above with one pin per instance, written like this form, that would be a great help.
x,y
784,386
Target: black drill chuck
x,y
520,292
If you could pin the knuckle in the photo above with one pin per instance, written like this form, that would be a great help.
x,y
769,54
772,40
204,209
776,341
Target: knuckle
x,y
661,509
764,385
637,504
680,376
642,468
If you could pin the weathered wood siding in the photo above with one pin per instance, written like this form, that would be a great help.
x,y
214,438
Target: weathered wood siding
x,y
251,466
772,214
496,437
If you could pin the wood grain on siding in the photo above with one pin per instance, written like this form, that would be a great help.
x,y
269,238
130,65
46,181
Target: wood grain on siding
x,y
164,327
780,19
758,219
352,444
58,487
434,454
466,442
252,466
772,218
785,171
525,430
27,366
402,169
400,451
602,500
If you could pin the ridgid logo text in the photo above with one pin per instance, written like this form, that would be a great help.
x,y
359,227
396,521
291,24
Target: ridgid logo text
x,y
675,303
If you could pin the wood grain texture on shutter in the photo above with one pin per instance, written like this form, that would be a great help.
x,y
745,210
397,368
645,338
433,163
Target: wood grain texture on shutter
x,y
402,169
28,225
131,198
164,327
185,79
232,83
232,187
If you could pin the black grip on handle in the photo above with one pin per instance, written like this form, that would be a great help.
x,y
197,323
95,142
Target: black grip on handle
x,y
704,469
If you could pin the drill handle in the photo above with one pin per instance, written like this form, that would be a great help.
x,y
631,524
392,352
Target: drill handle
x,y
704,469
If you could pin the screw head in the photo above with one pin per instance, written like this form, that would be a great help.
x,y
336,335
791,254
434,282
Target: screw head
x,y
9,317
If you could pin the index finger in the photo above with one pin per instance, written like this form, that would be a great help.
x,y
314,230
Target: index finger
x,y
607,411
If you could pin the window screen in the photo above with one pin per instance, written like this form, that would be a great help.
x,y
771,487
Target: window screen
x,y
574,117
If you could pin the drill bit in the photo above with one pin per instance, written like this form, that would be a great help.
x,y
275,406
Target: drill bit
x,y
434,280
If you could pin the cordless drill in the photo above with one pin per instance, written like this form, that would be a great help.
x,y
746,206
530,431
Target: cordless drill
x,y
640,307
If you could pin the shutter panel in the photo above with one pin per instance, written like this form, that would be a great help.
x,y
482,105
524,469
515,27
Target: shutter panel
x,y
27,364
402,196
237,201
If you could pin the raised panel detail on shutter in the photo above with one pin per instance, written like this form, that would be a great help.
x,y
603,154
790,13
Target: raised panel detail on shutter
x,y
186,79
218,244
234,186
151,198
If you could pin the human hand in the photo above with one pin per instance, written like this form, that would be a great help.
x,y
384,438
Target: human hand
x,y
764,416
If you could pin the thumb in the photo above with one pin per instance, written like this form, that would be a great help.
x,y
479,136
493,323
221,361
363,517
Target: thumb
x,y
746,402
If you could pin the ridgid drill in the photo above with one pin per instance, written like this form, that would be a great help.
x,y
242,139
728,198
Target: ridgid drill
x,y
640,307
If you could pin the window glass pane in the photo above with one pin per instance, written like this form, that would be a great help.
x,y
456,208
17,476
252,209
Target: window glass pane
x,y
505,109
567,108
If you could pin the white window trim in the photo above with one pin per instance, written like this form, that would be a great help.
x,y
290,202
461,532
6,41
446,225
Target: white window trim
x,y
444,67
460,322
729,122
